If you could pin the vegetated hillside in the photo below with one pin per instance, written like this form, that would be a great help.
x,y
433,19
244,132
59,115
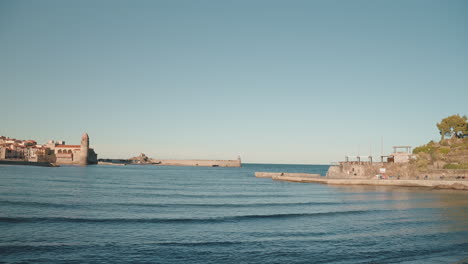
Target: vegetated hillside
x,y
447,154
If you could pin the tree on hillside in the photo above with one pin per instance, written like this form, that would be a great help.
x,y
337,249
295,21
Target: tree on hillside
x,y
452,125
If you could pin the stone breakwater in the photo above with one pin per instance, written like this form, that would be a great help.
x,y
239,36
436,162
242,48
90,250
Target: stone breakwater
x,y
201,163
144,160
281,175
316,178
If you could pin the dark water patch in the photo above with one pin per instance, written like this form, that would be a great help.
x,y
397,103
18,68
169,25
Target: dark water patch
x,y
65,180
144,188
412,223
168,205
36,194
412,253
178,220
201,195
221,205
42,204
283,235
11,249
200,244
15,248
73,193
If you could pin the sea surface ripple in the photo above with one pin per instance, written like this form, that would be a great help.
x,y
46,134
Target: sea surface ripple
x,y
157,214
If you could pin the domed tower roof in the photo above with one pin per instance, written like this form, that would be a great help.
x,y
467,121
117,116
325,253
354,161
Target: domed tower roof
x,y
85,135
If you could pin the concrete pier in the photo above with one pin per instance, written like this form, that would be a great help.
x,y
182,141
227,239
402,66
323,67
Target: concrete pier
x,y
439,184
316,178
198,163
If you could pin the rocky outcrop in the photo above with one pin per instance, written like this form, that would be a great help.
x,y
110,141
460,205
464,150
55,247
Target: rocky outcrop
x,y
141,159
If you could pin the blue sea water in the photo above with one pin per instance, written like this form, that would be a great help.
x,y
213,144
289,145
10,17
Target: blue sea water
x,y
156,214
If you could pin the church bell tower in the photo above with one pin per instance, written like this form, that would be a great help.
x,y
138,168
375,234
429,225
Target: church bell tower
x,y
84,149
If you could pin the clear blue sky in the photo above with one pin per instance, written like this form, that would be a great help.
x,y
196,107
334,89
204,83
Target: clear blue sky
x,y
273,81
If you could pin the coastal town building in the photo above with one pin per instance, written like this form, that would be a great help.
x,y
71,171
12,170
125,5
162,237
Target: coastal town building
x,y
397,156
53,151
73,154
360,166
400,156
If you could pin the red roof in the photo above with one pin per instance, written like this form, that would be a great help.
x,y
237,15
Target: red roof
x,y
68,146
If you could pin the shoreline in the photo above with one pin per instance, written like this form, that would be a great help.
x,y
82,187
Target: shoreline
x,y
27,163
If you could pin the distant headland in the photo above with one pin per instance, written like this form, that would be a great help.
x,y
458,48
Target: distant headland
x,y
442,164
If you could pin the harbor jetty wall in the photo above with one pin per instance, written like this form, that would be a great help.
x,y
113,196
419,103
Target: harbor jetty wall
x,y
284,174
201,163
316,178
143,160
455,184
392,170
434,184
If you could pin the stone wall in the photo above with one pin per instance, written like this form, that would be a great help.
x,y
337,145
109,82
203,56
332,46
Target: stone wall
x,y
353,170
393,170
74,158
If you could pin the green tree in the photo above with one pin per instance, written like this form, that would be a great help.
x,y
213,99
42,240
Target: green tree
x,y
451,125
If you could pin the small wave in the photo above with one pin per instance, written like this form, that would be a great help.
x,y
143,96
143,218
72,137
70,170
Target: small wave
x,y
223,205
38,204
174,220
225,195
166,205
27,248
206,243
